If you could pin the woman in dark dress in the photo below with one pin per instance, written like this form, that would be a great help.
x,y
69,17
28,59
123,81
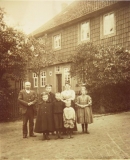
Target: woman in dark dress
x,y
51,97
44,123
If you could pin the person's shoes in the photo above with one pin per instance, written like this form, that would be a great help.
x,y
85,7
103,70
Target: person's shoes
x,y
71,137
82,131
24,136
87,132
33,135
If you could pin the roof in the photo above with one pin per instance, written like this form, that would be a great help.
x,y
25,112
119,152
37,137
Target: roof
x,y
74,11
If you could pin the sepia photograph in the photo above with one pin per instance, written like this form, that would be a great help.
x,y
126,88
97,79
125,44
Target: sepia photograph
x,y
64,79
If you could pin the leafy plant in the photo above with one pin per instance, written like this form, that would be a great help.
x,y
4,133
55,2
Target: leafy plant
x,y
100,67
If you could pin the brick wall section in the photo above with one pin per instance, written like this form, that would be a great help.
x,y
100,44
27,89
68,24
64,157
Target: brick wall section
x,y
122,36
73,11
69,35
123,26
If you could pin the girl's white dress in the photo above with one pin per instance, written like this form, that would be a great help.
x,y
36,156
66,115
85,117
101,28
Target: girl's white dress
x,y
68,94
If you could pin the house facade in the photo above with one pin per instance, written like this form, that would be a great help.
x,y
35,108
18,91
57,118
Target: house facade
x,y
100,22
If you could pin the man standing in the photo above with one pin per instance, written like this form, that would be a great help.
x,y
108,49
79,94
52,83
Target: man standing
x,y
27,99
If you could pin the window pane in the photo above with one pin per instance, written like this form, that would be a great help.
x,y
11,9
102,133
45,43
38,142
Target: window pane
x,y
67,75
108,24
111,23
85,31
43,78
35,82
57,41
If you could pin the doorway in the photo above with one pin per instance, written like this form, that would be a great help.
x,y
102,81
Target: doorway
x,y
59,82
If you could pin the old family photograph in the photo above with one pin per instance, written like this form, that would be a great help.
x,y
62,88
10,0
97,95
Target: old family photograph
x,y
55,112
64,79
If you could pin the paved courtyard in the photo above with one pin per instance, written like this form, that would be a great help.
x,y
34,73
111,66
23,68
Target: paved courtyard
x,y
109,138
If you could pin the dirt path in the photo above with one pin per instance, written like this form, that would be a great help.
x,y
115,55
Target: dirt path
x,y
108,139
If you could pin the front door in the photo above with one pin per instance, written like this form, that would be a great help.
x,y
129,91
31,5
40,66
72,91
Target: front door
x,y
59,82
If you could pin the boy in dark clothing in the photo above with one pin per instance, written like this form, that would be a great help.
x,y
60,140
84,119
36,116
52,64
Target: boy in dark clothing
x,y
58,115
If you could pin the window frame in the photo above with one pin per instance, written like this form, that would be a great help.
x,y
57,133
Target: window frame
x,y
80,32
67,73
102,35
60,69
56,48
35,78
44,77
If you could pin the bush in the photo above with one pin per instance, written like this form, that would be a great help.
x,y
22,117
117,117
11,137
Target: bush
x,y
112,98
9,109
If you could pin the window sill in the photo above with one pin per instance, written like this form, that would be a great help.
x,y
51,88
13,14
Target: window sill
x,y
107,36
85,41
56,49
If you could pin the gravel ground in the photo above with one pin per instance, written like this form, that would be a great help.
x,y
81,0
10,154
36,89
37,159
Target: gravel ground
x,y
109,138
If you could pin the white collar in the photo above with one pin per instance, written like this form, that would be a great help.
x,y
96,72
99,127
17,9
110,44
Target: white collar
x,y
27,91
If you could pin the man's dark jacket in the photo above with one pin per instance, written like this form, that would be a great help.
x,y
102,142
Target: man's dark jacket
x,y
24,98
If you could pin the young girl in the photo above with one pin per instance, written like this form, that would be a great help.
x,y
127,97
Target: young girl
x,y
44,120
84,110
58,107
69,118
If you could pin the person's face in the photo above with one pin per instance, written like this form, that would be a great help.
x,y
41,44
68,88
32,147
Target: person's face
x,y
83,91
68,103
45,97
27,86
58,96
67,86
48,89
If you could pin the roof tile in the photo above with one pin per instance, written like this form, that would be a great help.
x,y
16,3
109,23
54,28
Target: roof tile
x,y
75,10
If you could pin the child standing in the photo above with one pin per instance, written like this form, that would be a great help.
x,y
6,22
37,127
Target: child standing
x,y
58,107
51,96
44,123
84,110
69,118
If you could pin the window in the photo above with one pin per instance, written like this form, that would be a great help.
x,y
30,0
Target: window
x,y
67,77
35,80
85,31
57,41
43,79
58,69
108,25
